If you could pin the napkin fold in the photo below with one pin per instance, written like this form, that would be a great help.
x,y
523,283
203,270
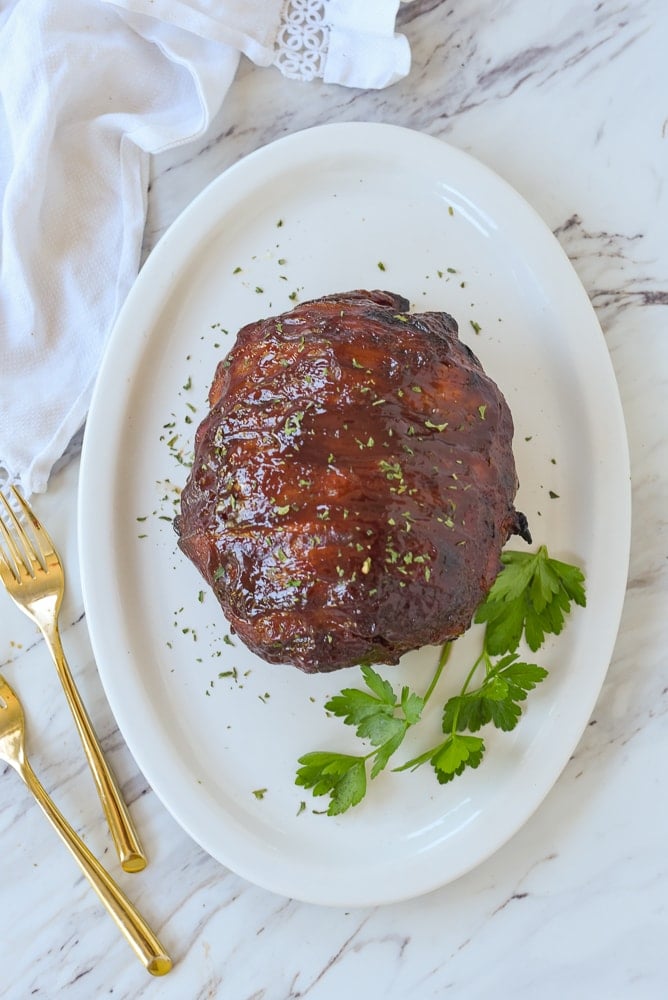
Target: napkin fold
x,y
89,89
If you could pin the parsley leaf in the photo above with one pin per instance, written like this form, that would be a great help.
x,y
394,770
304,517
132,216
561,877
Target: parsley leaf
x,y
450,758
341,776
353,705
374,715
378,729
531,596
386,749
412,705
498,698
381,688
455,754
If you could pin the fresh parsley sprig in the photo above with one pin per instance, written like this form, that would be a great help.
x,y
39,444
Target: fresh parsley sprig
x,y
529,599
497,700
380,716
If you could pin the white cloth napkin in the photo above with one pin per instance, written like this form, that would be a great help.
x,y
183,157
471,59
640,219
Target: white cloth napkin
x,y
88,90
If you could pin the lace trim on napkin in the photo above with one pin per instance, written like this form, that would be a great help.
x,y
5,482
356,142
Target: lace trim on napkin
x,y
302,39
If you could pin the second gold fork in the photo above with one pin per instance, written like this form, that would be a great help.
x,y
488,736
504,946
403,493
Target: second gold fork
x,y
32,572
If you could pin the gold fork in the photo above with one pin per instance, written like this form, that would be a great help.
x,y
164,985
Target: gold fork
x,y
34,577
130,922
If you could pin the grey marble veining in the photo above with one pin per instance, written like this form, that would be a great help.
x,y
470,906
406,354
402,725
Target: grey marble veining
x,y
566,102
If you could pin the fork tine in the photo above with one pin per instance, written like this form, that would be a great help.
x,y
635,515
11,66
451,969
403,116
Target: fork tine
x,y
16,555
42,537
25,554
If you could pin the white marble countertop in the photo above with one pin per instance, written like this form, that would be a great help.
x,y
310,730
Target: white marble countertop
x,y
567,102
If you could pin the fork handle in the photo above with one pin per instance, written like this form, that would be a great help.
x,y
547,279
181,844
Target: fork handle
x,y
120,823
128,919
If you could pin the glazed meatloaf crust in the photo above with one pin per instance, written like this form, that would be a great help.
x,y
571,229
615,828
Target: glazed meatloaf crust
x,y
353,483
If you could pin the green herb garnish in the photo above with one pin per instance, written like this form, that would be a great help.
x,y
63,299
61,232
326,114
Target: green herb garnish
x,y
529,600
529,597
378,715
293,423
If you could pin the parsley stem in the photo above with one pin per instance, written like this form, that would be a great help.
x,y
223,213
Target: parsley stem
x,y
469,678
442,660
489,666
